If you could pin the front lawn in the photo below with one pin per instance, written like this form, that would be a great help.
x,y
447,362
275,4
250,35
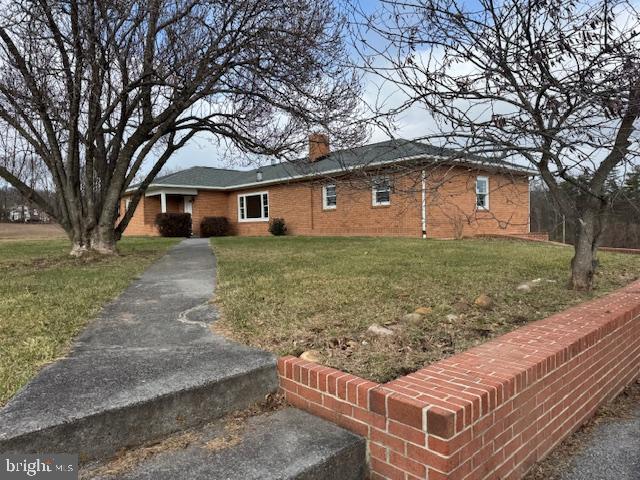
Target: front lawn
x,y
292,294
46,297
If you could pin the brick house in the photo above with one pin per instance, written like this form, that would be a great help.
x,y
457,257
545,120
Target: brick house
x,y
393,188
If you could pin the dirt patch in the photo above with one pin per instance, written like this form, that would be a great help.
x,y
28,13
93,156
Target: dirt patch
x,y
559,460
30,231
231,434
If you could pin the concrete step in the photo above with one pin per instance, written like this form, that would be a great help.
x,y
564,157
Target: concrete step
x,y
284,445
98,402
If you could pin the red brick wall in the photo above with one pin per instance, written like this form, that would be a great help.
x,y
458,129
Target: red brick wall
x,y
289,201
490,412
300,204
143,220
532,237
451,198
633,251
208,204
451,194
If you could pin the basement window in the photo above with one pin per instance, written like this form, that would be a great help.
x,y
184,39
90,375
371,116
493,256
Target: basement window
x,y
329,197
253,207
381,192
482,193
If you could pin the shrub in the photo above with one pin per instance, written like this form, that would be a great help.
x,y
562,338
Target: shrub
x,y
214,227
277,226
174,224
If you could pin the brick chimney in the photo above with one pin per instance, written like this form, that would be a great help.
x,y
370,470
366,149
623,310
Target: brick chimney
x,y
318,146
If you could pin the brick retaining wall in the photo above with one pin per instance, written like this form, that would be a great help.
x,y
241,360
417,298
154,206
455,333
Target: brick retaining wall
x,y
544,237
531,236
490,412
632,251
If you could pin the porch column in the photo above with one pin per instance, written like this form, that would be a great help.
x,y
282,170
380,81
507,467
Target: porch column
x,y
163,202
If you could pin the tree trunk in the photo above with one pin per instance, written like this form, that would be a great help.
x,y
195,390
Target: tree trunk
x,y
100,239
103,240
584,262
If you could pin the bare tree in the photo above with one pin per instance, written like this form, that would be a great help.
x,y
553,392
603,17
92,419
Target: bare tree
x,y
553,83
90,90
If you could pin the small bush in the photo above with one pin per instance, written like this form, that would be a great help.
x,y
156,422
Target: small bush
x,y
214,227
174,224
277,226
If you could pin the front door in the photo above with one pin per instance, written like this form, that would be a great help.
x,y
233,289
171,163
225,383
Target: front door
x,y
188,205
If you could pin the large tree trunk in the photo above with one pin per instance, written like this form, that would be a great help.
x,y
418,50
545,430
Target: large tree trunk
x,y
100,239
584,262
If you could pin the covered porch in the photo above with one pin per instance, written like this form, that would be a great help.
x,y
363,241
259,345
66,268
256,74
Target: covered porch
x,y
173,200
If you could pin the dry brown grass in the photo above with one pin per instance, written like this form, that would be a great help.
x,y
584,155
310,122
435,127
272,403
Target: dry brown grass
x,y
30,231
554,465
291,294
126,460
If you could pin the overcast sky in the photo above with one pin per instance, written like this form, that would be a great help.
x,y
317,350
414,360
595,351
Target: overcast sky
x,y
204,151
414,123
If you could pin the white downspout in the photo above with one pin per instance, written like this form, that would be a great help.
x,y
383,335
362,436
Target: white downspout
x,y
529,202
424,204
163,202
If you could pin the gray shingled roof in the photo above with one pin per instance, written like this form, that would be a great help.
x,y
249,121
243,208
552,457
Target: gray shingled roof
x,y
335,163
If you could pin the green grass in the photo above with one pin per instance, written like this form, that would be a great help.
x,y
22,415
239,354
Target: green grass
x,y
293,294
46,297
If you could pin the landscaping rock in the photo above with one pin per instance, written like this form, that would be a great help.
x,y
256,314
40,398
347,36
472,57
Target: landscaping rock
x,y
379,331
461,306
423,310
528,286
412,318
311,356
483,301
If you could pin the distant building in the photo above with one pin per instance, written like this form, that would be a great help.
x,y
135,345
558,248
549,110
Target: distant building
x,y
27,214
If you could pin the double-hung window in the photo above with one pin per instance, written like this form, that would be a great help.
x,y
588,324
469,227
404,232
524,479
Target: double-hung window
x,y
329,197
482,193
253,207
381,192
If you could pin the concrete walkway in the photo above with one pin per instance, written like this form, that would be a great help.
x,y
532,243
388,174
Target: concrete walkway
x,y
613,452
148,365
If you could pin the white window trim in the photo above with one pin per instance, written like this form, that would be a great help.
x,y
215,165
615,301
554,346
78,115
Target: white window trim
x,y
251,194
127,203
486,194
325,206
374,189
